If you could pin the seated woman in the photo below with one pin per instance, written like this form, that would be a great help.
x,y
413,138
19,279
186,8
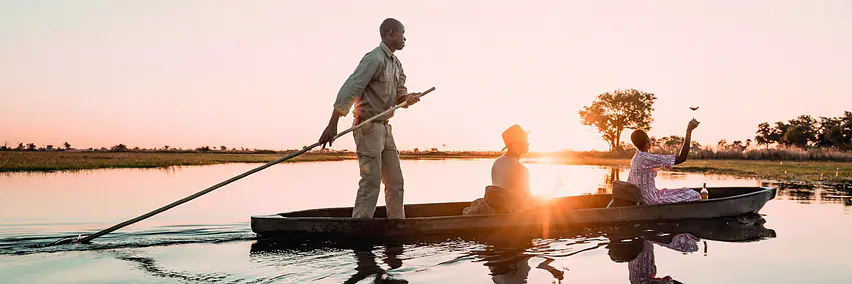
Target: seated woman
x,y
639,255
644,165
510,180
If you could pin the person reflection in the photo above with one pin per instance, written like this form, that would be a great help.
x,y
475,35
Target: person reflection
x,y
367,266
639,255
511,264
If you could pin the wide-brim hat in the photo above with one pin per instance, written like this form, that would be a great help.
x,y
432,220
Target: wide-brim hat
x,y
514,133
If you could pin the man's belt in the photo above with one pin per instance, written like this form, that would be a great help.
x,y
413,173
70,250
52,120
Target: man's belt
x,y
359,119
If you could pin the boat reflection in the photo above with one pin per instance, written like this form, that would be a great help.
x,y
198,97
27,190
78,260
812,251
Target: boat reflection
x,y
638,249
511,257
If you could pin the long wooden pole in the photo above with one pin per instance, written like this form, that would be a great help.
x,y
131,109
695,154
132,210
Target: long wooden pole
x,y
221,184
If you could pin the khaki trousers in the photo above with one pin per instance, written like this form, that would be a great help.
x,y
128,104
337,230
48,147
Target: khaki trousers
x,y
378,159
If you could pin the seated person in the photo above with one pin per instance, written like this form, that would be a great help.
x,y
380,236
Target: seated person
x,y
510,189
639,255
644,165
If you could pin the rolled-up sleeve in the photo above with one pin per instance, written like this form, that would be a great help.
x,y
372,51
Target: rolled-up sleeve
x,y
652,161
355,84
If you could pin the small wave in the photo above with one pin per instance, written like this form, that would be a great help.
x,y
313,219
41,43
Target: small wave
x,y
156,236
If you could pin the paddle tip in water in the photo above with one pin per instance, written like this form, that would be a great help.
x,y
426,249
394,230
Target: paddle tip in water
x,y
72,240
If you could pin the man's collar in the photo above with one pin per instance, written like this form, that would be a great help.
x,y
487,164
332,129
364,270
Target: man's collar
x,y
387,50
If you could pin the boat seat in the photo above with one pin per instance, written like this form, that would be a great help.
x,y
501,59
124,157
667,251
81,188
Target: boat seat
x,y
625,194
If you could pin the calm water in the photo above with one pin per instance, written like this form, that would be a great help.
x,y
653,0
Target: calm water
x,y
806,237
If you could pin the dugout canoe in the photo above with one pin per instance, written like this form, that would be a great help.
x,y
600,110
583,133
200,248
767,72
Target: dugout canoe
x,y
446,218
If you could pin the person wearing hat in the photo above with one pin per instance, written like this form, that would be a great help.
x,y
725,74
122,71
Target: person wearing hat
x,y
509,191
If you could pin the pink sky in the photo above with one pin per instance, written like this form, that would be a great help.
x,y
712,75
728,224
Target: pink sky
x,y
264,74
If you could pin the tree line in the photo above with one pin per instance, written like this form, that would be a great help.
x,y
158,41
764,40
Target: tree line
x,y
807,132
613,112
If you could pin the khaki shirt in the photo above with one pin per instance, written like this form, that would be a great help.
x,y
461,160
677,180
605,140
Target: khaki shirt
x,y
377,84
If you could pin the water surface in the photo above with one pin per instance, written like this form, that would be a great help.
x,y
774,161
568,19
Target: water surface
x,y
209,239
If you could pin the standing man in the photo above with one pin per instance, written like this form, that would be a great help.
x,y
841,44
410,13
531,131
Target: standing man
x,y
377,84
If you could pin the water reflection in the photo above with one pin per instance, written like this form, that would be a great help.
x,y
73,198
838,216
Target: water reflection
x,y
639,255
638,251
509,261
814,193
368,267
512,257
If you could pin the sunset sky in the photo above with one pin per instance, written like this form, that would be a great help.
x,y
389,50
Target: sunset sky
x,y
264,74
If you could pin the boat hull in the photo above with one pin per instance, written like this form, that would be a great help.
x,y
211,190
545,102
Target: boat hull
x,y
445,218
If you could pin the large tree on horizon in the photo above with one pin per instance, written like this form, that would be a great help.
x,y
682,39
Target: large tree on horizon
x,y
612,112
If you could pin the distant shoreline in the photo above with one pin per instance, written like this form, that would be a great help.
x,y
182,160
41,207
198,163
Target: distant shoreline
x,y
43,161
50,161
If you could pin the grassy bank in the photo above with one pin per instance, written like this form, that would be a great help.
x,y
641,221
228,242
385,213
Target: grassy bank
x,y
26,161
808,171
35,161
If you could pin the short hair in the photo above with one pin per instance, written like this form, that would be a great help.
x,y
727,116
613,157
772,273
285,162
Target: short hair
x,y
620,251
639,139
389,24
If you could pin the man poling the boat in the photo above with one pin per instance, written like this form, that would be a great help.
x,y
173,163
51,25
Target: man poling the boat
x,y
377,90
376,85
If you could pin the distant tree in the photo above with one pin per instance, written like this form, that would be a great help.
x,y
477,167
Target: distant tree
x,y
802,131
20,147
49,147
223,148
203,149
737,145
671,144
764,134
612,112
31,146
416,150
722,145
119,148
778,133
3,148
66,145
166,147
846,127
798,136
830,132
835,131
748,143
694,146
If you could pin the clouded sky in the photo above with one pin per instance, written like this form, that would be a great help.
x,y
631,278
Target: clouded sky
x,y
264,74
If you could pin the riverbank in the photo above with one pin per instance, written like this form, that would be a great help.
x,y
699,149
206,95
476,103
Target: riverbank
x,y
38,161
25,161
793,171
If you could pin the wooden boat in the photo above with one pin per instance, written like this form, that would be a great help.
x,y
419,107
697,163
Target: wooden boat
x,y
446,218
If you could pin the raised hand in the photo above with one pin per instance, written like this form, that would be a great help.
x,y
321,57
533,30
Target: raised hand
x,y
692,125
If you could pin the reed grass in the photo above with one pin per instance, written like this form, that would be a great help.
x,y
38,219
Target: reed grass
x,y
41,161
